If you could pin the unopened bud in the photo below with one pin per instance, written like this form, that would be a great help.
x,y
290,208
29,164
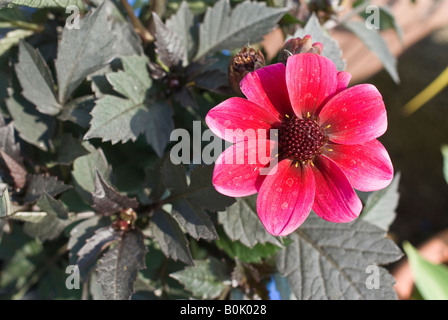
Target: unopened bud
x,y
298,45
245,61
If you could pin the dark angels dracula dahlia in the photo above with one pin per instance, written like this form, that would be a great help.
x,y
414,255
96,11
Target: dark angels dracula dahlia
x,y
325,138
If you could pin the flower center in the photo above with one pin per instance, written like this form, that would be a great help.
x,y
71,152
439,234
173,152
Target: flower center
x,y
300,139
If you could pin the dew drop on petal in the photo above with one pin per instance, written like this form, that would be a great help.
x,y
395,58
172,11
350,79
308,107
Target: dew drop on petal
x,y
237,181
227,123
284,205
289,182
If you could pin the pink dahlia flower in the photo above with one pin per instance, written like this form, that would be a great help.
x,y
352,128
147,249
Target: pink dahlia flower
x,y
326,142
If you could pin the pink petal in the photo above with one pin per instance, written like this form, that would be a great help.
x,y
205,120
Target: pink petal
x,y
335,199
367,166
311,80
239,116
343,80
267,88
286,198
237,169
355,115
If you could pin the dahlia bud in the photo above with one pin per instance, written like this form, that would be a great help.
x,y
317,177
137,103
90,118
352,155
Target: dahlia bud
x,y
245,61
297,45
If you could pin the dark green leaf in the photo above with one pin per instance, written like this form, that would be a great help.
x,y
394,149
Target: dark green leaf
x,y
194,220
52,206
32,69
183,25
159,126
78,111
380,207
205,280
119,266
174,177
33,127
169,235
84,51
170,46
70,148
89,252
331,260
189,201
202,191
81,232
224,28
107,200
37,185
241,223
84,172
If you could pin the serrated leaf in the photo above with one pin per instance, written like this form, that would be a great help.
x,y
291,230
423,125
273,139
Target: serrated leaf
x,y
46,3
241,223
205,279
32,69
431,279
183,25
214,81
119,119
84,172
89,252
224,28
33,127
190,200
330,260
380,206
194,220
202,191
160,125
52,206
86,50
169,235
38,184
375,43
331,49
174,177
170,47
119,266
81,232
107,200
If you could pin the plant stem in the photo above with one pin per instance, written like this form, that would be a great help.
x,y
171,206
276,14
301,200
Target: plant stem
x,y
138,26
